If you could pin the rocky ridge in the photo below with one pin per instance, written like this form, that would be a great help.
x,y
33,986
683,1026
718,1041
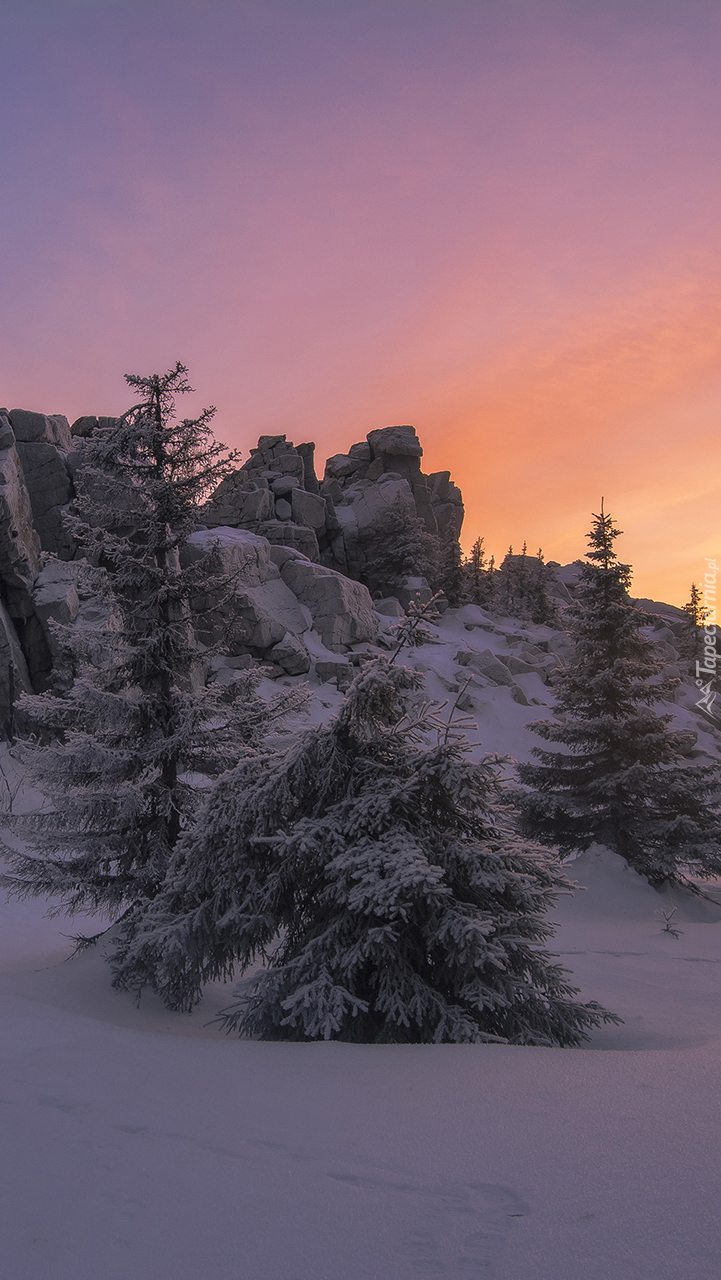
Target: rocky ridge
x,y
277,494
292,542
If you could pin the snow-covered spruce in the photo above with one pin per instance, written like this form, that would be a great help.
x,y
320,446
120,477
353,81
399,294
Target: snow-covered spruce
x,y
620,778
125,743
397,547
518,588
380,878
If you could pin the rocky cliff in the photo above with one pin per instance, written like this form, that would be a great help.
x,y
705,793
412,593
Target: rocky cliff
x,y
293,541
277,494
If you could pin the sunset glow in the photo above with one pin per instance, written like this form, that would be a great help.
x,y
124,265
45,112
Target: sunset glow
x,y
496,221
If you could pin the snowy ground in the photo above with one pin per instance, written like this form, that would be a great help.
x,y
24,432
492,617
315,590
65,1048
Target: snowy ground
x,y
140,1145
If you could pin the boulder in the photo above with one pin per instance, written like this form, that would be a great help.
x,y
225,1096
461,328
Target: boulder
x,y
288,534
14,675
397,441
340,466
516,666
365,504
307,455
50,489
395,449
71,592
486,664
568,574
447,503
291,654
342,610
250,620
34,643
280,554
274,456
238,503
361,507
331,491
19,542
340,671
308,509
283,509
424,505
285,485
534,652
55,599
55,594
259,609
42,441
86,425
519,696
41,428
239,552
670,612
389,608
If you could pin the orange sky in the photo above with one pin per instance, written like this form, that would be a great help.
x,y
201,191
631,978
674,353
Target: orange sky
x,y
498,221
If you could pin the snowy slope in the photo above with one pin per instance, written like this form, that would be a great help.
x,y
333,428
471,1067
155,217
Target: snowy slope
x,y
142,1145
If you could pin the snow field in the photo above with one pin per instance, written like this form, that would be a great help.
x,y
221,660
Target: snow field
x,y
142,1145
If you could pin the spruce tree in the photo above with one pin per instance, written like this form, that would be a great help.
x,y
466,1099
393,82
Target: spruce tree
x,y
129,737
694,608
478,575
619,778
696,615
449,576
397,548
543,610
377,872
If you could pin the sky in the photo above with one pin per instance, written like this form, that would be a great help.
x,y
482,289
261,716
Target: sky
x,y
493,219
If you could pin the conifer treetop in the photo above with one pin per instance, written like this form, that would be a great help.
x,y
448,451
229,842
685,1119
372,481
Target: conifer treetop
x,y
166,465
601,538
695,610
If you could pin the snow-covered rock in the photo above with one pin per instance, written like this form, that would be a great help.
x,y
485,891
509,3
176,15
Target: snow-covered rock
x,y
55,594
236,503
390,607
240,553
291,654
342,610
308,509
357,491
43,442
487,664
286,533
14,674
19,541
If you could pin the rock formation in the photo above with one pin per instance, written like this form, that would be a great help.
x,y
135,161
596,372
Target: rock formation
x,y
290,540
276,493
293,545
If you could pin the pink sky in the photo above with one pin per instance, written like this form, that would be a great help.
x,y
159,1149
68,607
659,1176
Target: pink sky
x,y
496,221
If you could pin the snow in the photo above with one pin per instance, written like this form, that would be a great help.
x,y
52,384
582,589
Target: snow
x,y
142,1144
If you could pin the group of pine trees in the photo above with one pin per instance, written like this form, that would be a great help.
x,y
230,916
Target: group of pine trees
x,y
392,889
400,548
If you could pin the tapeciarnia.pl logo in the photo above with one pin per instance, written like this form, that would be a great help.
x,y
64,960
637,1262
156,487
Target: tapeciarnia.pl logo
x,y
706,666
